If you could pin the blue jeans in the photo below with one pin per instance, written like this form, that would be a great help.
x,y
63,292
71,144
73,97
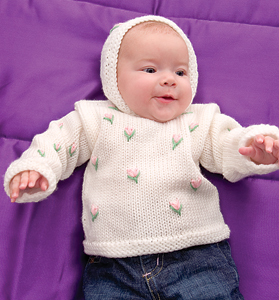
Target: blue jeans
x,y
202,272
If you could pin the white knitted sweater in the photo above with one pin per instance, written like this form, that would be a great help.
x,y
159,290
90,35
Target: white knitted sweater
x,y
143,191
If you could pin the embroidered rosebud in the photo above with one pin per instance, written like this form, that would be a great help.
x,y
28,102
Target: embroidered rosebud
x,y
113,107
195,184
133,174
193,126
176,140
57,147
60,125
72,149
94,212
109,117
129,133
42,153
176,206
95,161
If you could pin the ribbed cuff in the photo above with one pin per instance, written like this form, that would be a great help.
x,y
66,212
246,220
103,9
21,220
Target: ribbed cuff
x,y
237,166
34,194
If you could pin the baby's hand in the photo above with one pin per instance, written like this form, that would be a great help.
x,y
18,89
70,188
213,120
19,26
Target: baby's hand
x,y
26,179
262,150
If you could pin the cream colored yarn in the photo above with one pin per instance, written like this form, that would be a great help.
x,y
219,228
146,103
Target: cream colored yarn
x,y
143,190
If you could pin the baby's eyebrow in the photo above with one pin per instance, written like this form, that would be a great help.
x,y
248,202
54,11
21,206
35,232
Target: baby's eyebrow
x,y
184,62
154,61
184,65
150,59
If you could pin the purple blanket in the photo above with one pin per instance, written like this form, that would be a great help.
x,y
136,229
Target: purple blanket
x,y
50,58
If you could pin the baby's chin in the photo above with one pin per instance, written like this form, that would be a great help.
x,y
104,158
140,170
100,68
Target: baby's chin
x,y
163,118
167,114
158,115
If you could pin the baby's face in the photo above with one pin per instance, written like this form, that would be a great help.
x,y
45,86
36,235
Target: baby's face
x,y
152,74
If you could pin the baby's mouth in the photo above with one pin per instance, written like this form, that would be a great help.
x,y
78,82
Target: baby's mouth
x,y
165,98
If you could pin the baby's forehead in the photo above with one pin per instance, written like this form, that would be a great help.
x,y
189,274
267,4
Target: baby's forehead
x,y
141,29
153,27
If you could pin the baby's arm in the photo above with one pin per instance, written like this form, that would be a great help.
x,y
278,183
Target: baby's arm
x,y
27,179
262,150
54,154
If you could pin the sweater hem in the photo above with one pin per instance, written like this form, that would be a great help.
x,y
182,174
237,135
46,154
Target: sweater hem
x,y
154,245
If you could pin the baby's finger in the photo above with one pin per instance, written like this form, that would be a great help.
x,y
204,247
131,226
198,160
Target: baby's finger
x,y
276,145
43,184
276,149
259,141
33,177
268,143
14,187
24,179
247,151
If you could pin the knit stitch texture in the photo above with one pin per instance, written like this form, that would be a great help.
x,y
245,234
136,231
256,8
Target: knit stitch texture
x,y
170,205
143,189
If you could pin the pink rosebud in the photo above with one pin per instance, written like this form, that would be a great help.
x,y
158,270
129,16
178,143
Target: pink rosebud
x,y
129,130
72,149
94,210
57,147
175,204
109,116
113,107
42,153
193,126
133,172
60,125
177,138
195,184
94,160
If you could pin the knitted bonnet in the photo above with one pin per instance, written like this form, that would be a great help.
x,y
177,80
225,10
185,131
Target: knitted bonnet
x,y
110,52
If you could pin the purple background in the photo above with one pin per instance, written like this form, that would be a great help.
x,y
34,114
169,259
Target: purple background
x,y
49,58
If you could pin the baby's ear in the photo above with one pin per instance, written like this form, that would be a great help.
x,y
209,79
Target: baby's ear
x,y
114,27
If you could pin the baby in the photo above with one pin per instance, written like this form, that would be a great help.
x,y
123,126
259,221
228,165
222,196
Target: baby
x,y
152,221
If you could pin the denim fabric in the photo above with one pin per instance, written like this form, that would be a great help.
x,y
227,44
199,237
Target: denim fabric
x,y
202,272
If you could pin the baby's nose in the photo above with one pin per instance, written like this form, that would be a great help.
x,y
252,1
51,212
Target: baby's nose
x,y
168,80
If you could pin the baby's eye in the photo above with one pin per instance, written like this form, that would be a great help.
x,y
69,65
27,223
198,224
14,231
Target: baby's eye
x,y
149,70
180,73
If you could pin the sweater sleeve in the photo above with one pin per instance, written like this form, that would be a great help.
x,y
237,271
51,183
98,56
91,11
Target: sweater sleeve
x,y
224,138
54,154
